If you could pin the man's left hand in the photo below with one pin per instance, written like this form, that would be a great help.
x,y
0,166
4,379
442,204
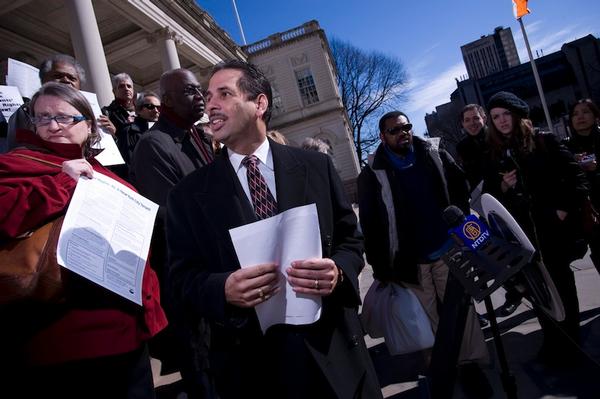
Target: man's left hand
x,y
317,276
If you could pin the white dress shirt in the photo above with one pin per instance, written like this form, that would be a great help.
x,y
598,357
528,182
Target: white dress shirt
x,y
265,166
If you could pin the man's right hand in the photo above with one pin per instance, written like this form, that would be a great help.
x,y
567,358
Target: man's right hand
x,y
250,286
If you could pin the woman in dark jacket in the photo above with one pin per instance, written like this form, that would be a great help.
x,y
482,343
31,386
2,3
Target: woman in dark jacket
x,y
584,143
542,186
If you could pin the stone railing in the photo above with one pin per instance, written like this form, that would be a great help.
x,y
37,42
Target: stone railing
x,y
279,38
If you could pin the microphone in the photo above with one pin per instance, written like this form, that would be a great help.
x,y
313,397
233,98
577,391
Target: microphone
x,y
480,260
467,231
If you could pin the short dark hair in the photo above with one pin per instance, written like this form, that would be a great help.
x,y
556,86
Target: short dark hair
x,y
472,107
252,82
48,63
139,101
390,115
76,100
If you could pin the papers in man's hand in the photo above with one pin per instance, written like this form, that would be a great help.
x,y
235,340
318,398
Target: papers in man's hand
x,y
111,154
24,76
281,239
10,100
106,234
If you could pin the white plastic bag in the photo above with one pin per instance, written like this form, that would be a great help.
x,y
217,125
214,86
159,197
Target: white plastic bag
x,y
394,312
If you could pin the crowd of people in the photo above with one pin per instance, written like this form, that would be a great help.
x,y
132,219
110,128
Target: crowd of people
x,y
206,156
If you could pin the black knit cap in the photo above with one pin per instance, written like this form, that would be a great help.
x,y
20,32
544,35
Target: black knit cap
x,y
505,99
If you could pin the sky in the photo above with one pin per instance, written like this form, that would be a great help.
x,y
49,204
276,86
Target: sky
x,y
425,35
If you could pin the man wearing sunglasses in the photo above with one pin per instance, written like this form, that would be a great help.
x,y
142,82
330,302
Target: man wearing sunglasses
x,y
147,109
402,194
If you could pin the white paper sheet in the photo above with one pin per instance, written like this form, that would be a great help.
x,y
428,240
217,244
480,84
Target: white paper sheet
x,y
106,234
24,76
286,237
111,154
10,100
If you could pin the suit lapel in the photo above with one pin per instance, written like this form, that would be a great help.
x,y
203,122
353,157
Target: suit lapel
x,y
290,178
221,190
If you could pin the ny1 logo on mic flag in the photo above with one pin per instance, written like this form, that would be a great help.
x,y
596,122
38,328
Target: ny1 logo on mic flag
x,y
473,232
520,8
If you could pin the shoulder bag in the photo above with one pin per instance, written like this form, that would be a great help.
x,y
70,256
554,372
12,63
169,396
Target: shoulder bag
x,y
28,265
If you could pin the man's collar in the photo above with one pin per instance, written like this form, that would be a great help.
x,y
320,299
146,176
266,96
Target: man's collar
x,y
263,153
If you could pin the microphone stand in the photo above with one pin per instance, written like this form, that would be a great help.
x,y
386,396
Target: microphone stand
x,y
506,376
476,275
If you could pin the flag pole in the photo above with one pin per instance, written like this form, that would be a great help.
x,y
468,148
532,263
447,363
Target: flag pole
x,y
237,16
537,77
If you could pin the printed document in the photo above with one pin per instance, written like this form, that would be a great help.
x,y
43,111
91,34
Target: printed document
x,y
10,100
24,76
106,234
286,237
111,154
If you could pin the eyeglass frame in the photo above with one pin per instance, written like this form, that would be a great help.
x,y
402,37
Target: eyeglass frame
x,y
193,91
406,128
35,120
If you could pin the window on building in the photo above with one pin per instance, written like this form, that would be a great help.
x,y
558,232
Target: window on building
x,y
306,84
277,101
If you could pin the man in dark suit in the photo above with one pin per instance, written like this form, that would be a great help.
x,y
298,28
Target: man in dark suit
x,y
326,359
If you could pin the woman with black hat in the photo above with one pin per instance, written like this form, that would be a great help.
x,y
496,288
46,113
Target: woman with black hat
x,y
541,185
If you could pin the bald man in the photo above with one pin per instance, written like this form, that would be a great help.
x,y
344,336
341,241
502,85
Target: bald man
x,y
164,155
173,148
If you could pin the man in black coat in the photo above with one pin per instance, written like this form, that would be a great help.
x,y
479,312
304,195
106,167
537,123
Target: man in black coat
x,y
164,155
326,359
471,149
402,194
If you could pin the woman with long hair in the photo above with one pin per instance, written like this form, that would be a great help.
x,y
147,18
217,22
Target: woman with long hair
x,y
541,185
584,143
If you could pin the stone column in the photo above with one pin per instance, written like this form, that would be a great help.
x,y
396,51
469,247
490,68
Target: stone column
x,y
88,48
167,42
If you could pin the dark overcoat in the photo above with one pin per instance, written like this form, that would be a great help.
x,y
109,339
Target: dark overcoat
x,y
325,359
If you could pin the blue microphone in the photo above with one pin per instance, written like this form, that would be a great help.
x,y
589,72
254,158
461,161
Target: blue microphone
x,y
473,232
481,261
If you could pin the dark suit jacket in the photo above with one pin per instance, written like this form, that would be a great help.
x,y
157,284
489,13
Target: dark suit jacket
x,y
162,157
289,361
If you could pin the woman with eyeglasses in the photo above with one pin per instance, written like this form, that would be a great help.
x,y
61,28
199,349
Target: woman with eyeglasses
x,y
541,185
91,343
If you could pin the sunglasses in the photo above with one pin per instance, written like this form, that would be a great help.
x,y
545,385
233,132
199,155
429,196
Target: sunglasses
x,y
151,107
397,129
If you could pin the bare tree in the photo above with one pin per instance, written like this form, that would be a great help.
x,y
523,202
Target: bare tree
x,y
370,83
445,124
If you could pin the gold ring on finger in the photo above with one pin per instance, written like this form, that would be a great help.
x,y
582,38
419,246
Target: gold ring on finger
x,y
261,294
316,284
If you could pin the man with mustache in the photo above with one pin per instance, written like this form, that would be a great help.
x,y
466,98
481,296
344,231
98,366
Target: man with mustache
x,y
254,178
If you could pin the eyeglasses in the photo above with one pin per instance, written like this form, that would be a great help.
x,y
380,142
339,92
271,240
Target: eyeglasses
x,y
151,107
60,119
397,129
193,91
